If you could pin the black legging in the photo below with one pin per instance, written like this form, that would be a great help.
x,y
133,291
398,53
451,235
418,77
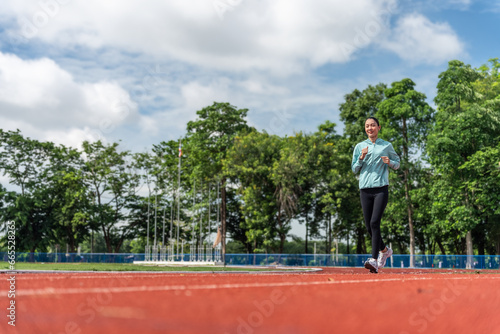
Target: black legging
x,y
373,202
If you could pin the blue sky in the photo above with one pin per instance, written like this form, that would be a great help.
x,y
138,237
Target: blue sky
x,y
138,71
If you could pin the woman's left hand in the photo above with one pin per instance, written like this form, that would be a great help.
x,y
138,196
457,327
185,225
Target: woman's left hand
x,y
386,160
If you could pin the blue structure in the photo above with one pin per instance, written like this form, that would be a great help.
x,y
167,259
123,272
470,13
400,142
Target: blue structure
x,y
307,260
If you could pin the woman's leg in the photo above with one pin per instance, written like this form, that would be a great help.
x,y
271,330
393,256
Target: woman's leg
x,y
379,204
373,202
367,202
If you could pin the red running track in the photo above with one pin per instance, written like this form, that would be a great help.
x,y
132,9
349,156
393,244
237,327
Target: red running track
x,y
336,300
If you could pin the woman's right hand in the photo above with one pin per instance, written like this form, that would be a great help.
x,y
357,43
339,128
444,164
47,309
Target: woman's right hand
x,y
364,152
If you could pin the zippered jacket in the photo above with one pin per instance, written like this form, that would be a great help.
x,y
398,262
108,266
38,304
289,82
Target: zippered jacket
x,y
374,173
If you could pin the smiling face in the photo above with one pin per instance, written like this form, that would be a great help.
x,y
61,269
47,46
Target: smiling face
x,y
372,129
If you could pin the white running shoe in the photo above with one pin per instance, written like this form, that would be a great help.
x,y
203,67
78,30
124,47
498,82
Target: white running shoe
x,y
372,265
382,257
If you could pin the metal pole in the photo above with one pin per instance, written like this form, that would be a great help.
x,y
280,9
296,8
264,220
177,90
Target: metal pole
x,y
172,215
218,210
192,250
149,195
156,206
201,221
163,232
209,208
179,193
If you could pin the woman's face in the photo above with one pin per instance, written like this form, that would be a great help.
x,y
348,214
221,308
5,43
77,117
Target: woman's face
x,y
371,128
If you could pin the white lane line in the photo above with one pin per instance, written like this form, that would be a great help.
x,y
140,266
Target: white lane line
x,y
73,291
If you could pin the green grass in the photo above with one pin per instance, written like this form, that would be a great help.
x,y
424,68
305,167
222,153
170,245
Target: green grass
x,y
117,267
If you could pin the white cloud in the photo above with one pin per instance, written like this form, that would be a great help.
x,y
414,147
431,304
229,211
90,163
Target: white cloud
x,y
175,57
257,86
415,38
72,137
197,95
45,101
283,36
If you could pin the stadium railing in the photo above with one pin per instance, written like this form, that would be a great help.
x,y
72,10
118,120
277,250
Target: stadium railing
x,y
75,257
357,260
309,260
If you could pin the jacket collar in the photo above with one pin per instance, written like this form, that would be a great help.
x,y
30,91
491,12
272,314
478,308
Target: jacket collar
x,y
378,141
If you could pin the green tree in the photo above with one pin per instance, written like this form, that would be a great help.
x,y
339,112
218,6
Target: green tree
x,y
405,118
488,87
463,127
23,161
210,136
249,163
64,179
53,201
109,176
483,168
320,182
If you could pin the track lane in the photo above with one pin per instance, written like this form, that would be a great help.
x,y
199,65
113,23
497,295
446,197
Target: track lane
x,y
336,300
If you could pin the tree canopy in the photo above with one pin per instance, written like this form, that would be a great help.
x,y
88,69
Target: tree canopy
x,y
445,198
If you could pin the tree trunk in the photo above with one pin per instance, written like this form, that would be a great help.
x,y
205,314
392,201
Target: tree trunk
x,y
423,246
329,250
402,247
479,236
440,245
470,250
32,254
223,218
119,244
307,230
107,239
348,247
468,237
481,247
282,236
282,242
249,247
71,239
254,246
360,242
410,222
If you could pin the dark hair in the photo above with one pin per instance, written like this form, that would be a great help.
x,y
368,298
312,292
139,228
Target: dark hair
x,y
376,120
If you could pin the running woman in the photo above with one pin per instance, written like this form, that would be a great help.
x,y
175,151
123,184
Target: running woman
x,y
373,157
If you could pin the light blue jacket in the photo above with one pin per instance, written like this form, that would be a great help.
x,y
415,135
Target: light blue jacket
x,y
374,172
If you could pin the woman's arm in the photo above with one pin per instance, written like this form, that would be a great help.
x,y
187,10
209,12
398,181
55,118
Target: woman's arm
x,y
393,158
356,163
